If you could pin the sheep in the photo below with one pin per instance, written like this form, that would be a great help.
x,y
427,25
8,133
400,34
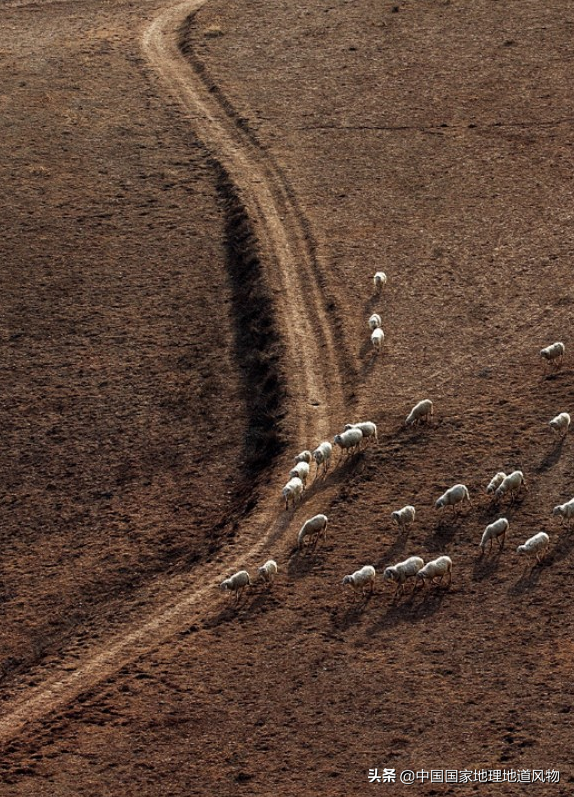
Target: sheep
x,y
495,482
535,545
453,496
379,280
268,571
560,424
423,411
403,570
292,490
375,321
496,530
322,455
377,339
404,517
511,484
349,439
236,583
301,470
361,579
564,511
368,428
304,456
434,569
553,354
313,527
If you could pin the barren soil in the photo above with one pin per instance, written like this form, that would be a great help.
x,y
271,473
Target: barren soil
x,y
193,209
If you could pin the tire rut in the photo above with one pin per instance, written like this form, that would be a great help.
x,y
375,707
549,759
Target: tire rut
x,y
313,366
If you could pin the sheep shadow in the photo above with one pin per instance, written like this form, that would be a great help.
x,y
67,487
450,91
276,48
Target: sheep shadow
x,y
417,433
444,531
303,562
562,549
349,614
368,361
233,612
415,607
552,457
370,304
486,565
263,598
529,578
393,553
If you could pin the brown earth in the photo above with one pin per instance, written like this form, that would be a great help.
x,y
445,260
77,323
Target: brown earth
x,y
161,367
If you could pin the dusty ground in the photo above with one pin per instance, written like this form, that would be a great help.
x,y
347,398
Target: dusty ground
x,y
430,139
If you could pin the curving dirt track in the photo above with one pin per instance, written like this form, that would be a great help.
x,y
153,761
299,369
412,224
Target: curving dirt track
x,y
430,139
313,368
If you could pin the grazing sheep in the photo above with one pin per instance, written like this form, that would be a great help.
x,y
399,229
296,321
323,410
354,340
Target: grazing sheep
x,y
436,568
423,411
375,321
268,571
404,517
453,496
312,528
535,545
361,579
495,482
379,280
564,511
349,439
304,456
322,455
377,339
236,583
561,424
553,354
292,490
401,571
496,530
301,470
368,428
511,484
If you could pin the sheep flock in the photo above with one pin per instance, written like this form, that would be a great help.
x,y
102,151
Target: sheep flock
x,y
312,466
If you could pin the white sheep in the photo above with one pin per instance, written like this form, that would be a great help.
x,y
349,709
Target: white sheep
x,y
436,568
268,571
495,482
322,455
236,583
379,280
368,428
349,440
535,545
404,517
400,572
496,530
375,321
553,354
423,411
453,496
361,579
304,456
564,511
560,424
292,490
312,528
377,338
511,484
301,470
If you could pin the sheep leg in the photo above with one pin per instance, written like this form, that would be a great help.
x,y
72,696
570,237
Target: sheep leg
x,y
501,543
